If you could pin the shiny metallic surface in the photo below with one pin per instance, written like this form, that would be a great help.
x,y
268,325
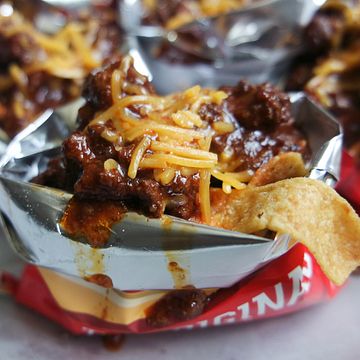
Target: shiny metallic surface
x,y
68,4
265,24
328,159
139,264
46,132
140,249
256,43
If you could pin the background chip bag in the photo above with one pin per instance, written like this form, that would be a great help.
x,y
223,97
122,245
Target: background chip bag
x,y
349,187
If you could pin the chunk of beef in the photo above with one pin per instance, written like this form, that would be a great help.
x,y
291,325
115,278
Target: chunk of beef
x,y
258,106
176,306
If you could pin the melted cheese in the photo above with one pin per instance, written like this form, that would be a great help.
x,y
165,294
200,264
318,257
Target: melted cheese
x,y
170,136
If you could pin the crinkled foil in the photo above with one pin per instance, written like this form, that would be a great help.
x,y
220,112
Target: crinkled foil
x,y
47,131
139,251
256,43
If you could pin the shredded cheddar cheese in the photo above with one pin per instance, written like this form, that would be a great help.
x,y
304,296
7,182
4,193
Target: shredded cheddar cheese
x,y
332,73
192,10
137,156
63,59
168,135
228,178
67,54
204,195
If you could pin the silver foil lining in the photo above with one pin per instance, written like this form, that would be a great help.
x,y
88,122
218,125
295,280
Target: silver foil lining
x,y
256,43
139,250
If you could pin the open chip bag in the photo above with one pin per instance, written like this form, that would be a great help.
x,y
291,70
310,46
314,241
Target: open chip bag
x,y
241,242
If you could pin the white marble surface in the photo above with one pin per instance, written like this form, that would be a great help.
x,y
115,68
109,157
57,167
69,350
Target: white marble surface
x,y
328,331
